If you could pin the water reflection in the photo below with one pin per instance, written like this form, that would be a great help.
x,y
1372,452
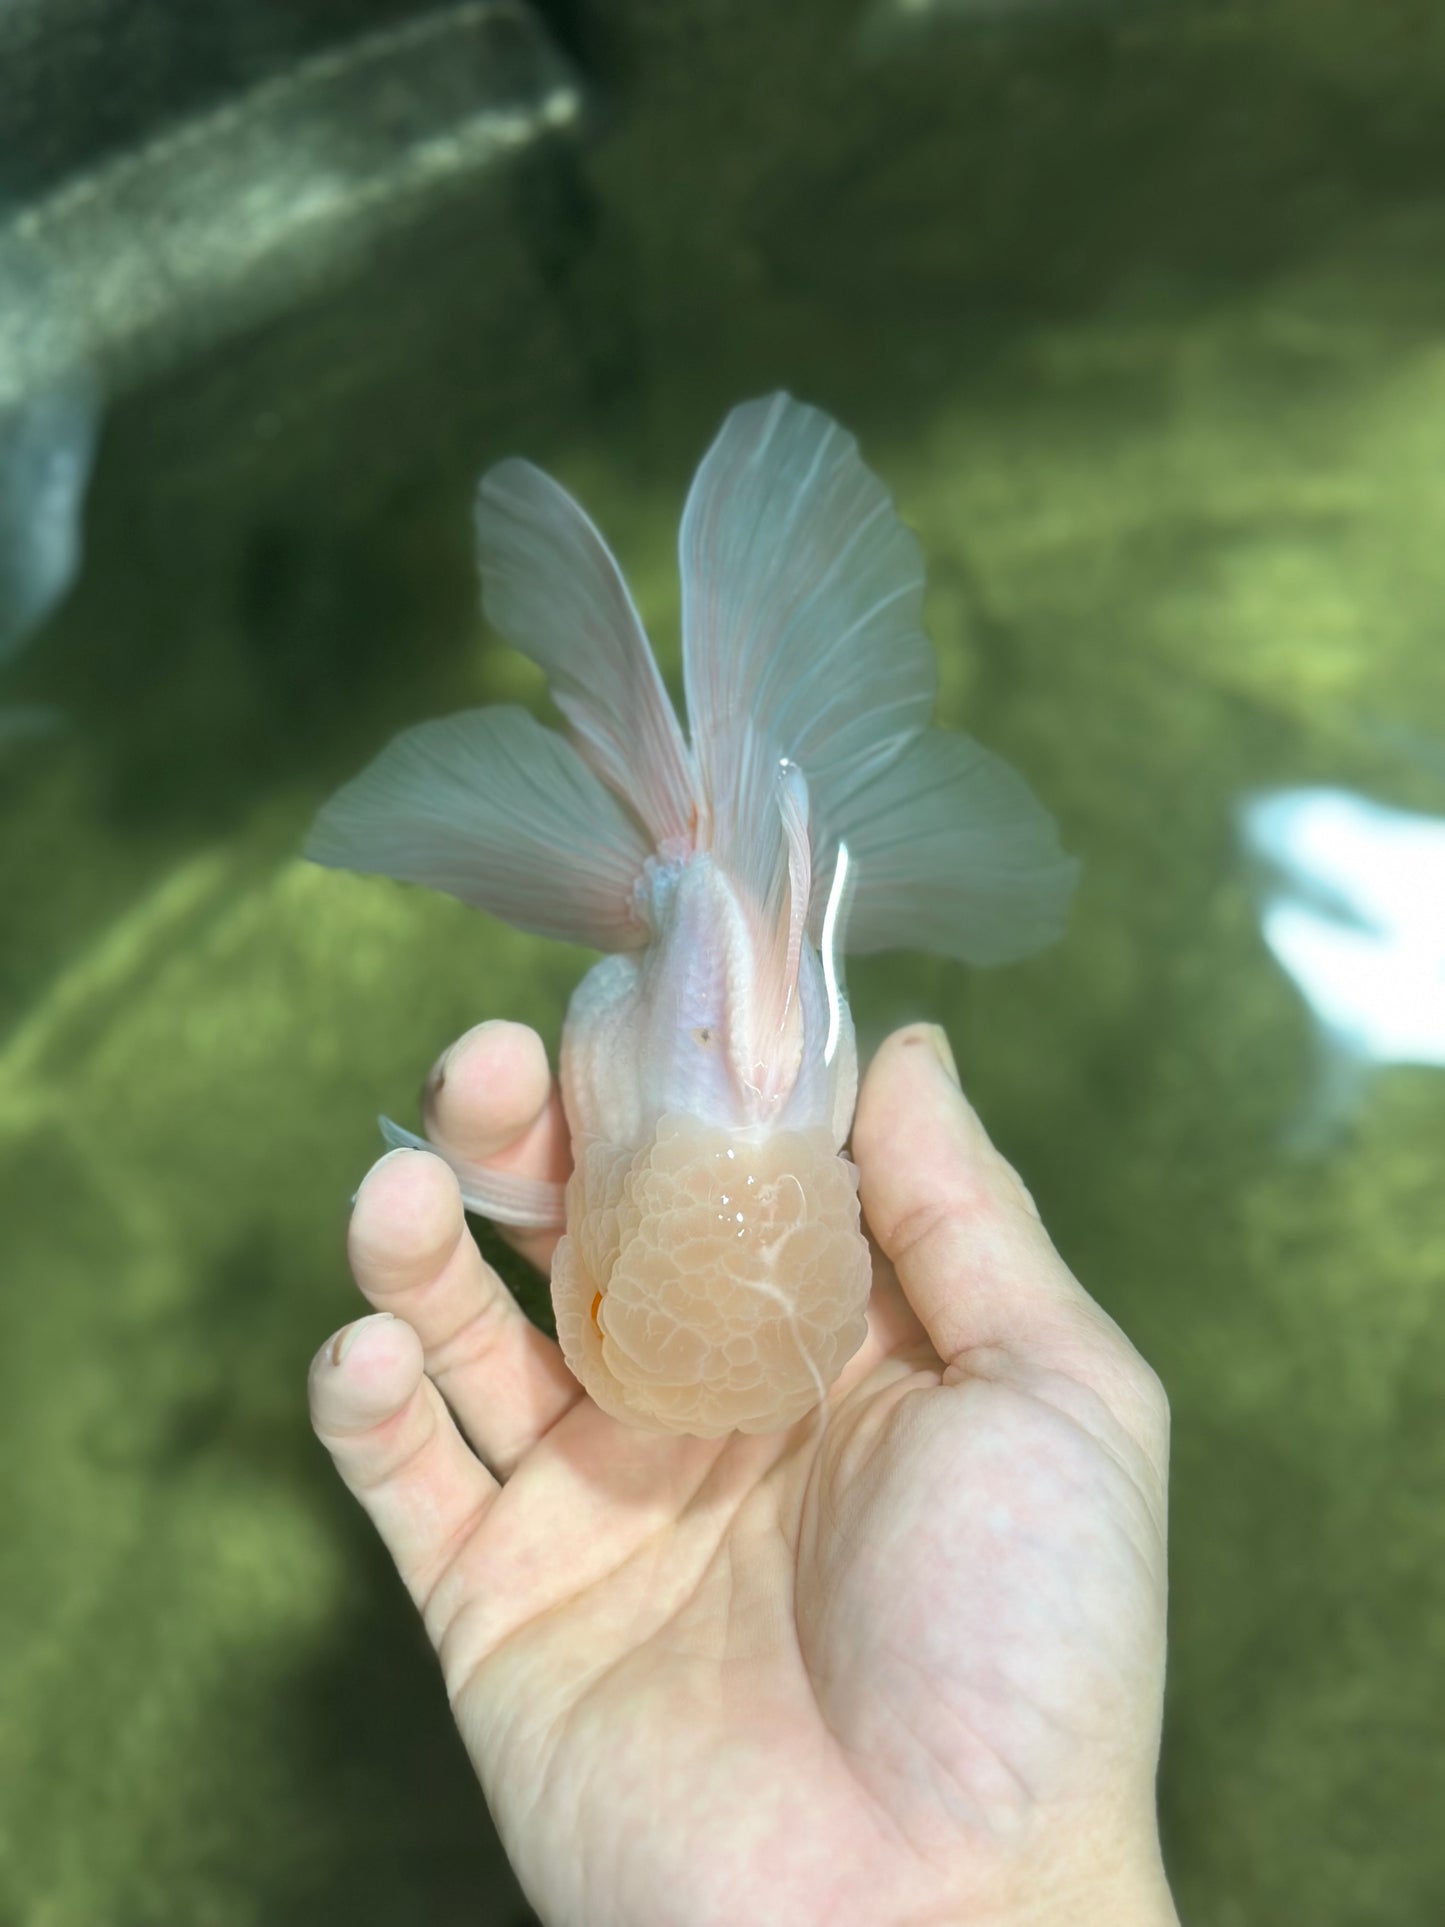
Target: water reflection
x,y
1353,911
46,445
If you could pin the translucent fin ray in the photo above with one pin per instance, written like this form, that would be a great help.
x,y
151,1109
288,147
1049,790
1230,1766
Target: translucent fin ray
x,y
491,807
528,1204
551,586
802,603
949,851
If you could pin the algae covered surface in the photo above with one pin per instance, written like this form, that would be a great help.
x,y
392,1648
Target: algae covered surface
x,y
1143,321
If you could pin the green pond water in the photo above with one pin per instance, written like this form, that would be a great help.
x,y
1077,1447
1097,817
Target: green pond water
x,y
1143,322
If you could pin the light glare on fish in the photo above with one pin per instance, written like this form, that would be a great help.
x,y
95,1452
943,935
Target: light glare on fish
x,y
713,1275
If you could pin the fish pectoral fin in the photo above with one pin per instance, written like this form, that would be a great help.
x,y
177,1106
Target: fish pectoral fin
x,y
506,1197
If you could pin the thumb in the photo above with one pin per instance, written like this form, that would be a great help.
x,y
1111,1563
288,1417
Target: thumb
x,y
964,1237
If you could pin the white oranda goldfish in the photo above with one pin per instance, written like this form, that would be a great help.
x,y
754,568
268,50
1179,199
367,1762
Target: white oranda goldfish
x,y
713,1274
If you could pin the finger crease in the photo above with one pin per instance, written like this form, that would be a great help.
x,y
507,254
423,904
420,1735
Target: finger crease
x,y
472,1341
919,1227
395,1469
441,1561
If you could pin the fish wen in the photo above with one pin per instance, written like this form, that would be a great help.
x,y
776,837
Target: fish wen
x,y
713,1275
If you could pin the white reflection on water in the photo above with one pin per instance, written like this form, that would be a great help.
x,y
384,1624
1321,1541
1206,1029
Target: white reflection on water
x,y
46,446
1354,911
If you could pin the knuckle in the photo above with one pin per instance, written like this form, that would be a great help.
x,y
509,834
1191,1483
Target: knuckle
x,y
397,1446
975,1198
921,1227
477,1337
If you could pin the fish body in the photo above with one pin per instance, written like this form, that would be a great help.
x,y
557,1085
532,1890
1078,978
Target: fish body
x,y
713,1274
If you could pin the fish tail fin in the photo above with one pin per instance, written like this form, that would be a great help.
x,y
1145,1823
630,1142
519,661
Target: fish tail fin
x,y
951,851
802,632
802,602
548,833
491,807
550,585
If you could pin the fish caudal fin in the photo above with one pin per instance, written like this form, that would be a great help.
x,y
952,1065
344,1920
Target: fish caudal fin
x,y
803,644
951,851
493,808
552,588
802,616
810,685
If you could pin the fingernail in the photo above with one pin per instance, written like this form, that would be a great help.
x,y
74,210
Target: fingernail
x,y
342,1343
938,1037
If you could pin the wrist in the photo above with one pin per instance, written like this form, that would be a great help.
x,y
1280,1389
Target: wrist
x,y
1112,1891
1140,1898
1099,1871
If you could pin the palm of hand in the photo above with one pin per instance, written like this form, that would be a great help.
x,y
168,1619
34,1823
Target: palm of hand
x,y
845,1673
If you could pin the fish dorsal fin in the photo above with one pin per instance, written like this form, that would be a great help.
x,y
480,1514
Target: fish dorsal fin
x,y
552,588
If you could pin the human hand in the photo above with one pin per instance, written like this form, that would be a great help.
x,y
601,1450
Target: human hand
x,y
902,1663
